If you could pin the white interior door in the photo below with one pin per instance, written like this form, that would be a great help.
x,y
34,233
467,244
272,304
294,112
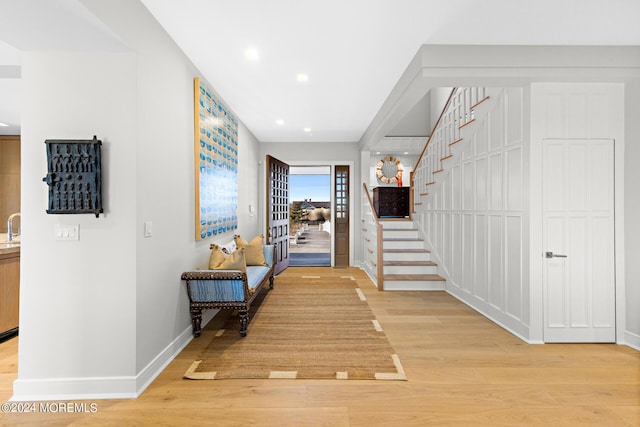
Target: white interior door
x,y
578,239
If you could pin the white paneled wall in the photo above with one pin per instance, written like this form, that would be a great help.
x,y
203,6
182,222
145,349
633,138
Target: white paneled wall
x,y
577,111
476,221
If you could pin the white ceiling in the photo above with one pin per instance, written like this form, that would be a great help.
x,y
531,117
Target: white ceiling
x,y
353,51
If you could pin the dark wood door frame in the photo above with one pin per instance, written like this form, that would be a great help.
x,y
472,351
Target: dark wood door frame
x,y
341,215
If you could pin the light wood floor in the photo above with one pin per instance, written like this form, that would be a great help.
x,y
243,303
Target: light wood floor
x,y
463,370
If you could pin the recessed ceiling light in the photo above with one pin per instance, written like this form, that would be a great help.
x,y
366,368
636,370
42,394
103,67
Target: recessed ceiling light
x,y
307,130
406,152
251,54
302,78
280,122
3,125
377,152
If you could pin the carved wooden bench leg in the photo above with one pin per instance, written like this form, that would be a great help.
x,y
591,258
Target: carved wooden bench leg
x,y
196,321
271,282
244,322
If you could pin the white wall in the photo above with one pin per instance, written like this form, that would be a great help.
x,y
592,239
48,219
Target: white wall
x,y
632,213
476,224
78,298
100,317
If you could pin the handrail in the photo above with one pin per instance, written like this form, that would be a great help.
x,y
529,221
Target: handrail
x,y
366,191
435,126
379,254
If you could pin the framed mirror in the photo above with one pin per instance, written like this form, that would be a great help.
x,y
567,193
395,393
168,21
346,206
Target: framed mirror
x,y
389,170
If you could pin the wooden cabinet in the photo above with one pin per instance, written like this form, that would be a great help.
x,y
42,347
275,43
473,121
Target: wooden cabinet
x,y
391,202
9,293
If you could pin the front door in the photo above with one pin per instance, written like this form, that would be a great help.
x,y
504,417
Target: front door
x,y
341,185
278,210
578,239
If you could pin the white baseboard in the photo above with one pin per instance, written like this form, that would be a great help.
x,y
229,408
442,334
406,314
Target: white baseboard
x,y
94,388
632,340
61,389
506,322
372,277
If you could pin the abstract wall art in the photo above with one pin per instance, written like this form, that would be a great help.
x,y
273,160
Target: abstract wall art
x,y
216,164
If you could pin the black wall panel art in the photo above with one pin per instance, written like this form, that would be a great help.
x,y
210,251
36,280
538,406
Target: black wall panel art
x,y
74,176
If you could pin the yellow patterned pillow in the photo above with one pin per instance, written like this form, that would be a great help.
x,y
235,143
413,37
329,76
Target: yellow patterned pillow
x,y
254,253
217,257
235,261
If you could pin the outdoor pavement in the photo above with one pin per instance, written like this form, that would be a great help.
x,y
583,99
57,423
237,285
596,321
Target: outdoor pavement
x,y
313,249
312,241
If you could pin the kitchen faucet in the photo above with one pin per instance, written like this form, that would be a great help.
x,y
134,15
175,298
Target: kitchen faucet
x,y
10,226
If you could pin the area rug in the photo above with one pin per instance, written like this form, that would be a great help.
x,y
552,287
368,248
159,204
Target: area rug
x,y
306,327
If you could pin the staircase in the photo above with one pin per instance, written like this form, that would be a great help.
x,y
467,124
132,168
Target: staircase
x,y
465,110
406,263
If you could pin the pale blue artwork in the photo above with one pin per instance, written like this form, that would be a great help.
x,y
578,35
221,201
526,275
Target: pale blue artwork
x,y
216,156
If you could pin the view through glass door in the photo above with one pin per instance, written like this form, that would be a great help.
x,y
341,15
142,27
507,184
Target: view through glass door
x,y
310,216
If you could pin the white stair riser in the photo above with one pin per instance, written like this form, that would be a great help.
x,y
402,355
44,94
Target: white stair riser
x,y
426,285
406,256
401,234
410,269
403,244
397,224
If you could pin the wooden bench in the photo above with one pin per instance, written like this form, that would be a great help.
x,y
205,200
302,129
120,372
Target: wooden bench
x,y
228,289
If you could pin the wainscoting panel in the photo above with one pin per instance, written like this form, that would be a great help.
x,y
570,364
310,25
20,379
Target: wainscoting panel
x,y
475,223
515,115
481,258
496,257
513,180
495,182
513,266
468,258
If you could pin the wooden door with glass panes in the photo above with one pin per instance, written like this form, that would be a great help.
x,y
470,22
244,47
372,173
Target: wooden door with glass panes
x,y
278,210
341,242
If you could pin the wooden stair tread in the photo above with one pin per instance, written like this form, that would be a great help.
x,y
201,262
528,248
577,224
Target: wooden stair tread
x,y
402,239
467,123
411,263
414,277
410,251
486,98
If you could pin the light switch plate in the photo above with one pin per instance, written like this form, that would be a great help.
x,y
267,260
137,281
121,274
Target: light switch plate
x,y
67,231
148,229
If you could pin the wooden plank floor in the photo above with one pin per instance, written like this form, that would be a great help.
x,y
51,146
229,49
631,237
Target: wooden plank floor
x,y
463,370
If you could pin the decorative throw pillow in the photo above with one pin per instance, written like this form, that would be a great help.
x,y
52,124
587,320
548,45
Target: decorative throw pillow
x,y
229,248
253,249
216,258
235,261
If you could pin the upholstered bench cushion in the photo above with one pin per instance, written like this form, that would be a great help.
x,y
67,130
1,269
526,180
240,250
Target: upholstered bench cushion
x,y
216,290
268,254
225,289
255,275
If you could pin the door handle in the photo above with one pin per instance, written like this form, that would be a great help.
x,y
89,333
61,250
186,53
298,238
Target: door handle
x,y
552,255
